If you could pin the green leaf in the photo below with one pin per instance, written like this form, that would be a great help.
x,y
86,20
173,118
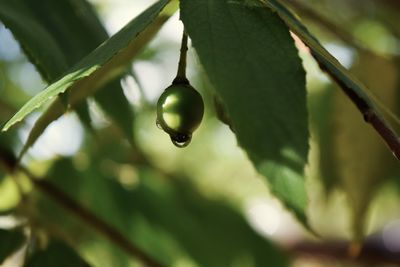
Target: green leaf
x,y
33,38
56,254
10,241
102,65
325,60
250,58
115,104
361,179
167,218
322,115
69,29
75,30
369,172
78,31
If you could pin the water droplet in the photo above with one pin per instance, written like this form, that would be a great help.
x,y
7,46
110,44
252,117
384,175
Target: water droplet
x,y
181,140
158,124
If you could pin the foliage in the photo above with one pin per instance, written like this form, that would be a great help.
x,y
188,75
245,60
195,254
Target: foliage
x,y
119,194
10,242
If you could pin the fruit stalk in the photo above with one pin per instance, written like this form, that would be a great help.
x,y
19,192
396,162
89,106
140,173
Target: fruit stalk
x,y
181,75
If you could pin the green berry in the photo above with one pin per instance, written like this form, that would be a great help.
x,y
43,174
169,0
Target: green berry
x,y
180,110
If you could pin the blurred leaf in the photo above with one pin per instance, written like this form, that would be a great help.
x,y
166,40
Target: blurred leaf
x,y
321,116
99,67
168,218
83,113
33,38
351,154
250,58
10,242
363,160
350,129
115,104
69,29
73,24
56,254
76,31
8,141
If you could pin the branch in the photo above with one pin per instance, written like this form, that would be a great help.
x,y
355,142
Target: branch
x,y
369,113
391,3
85,215
371,252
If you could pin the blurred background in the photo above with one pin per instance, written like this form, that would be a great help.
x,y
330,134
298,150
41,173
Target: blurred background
x,y
157,193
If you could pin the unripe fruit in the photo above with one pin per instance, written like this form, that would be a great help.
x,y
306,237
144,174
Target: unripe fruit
x,y
180,110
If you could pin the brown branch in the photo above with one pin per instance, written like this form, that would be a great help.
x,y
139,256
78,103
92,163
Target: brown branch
x,y
92,220
103,228
371,252
369,112
391,3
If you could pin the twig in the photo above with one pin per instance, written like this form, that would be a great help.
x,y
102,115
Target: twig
x,y
181,75
103,228
392,3
372,252
369,113
89,218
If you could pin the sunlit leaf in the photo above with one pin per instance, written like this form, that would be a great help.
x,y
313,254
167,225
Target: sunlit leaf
x,y
32,36
102,65
250,58
75,31
353,137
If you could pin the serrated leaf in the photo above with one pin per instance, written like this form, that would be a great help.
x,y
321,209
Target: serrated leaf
x,y
69,30
349,128
31,35
250,58
103,64
326,61
75,30
56,254
10,241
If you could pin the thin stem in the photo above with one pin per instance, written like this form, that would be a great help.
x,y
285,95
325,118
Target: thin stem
x,y
181,75
371,252
369,113
392,3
